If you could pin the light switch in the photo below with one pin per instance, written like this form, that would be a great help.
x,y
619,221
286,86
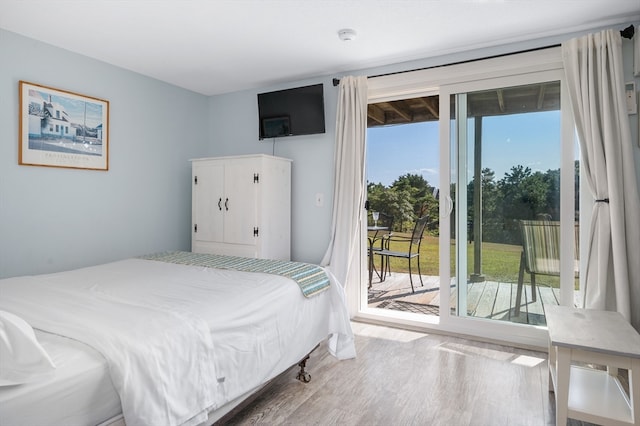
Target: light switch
x,y
630,92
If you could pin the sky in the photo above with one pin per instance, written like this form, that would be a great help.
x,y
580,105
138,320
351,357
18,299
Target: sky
x,y
80,111
531,140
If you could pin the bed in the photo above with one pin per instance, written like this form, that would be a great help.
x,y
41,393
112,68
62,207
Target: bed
x,y
174,338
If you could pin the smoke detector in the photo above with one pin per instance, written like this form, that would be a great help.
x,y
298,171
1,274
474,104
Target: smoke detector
x,y
346,34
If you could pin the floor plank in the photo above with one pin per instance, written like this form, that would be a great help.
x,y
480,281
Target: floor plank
x,y
474,294
487,300
502,304
403,377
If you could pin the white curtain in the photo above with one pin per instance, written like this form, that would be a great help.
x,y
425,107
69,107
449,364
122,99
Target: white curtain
x,y
593,66
342,256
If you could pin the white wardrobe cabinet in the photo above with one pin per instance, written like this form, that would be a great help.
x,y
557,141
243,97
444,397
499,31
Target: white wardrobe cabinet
x,y
242,206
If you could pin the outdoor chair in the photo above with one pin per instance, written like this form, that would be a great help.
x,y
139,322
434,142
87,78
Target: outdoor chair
x,y
540,254
413,252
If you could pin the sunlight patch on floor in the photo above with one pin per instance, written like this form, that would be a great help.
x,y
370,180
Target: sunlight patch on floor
x,y
506,355
528,361
387,333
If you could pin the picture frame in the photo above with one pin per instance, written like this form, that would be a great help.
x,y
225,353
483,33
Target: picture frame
x,y
60,128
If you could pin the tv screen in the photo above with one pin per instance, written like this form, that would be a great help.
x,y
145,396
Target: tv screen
x,y
291,112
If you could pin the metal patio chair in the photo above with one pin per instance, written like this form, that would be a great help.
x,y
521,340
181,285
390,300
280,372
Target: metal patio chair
x,y
413,252
540,254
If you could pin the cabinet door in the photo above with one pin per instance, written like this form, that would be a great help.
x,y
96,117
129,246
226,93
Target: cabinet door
x,y
208,202
241,198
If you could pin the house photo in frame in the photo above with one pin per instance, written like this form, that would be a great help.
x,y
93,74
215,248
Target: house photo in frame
x,y
59,128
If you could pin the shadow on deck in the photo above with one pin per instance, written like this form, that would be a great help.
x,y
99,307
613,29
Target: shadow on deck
x,y
487,299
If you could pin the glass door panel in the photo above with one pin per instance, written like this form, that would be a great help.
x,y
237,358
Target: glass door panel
x,y
507,145
403,172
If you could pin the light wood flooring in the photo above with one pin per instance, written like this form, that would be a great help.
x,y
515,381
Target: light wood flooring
x,y
486,299
402,377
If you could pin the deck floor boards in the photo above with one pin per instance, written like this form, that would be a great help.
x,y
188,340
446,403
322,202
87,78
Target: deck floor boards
x,y
486,299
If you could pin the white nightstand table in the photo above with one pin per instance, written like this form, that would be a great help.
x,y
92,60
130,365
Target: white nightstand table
x,y
598,338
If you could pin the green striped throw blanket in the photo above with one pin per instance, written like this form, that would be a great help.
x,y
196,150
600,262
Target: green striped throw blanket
x,y
311,278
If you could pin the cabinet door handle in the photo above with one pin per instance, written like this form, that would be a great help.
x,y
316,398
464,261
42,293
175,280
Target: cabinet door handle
x,y
226,204
220,204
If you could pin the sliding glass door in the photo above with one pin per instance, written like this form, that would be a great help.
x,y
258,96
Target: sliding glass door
x,y
504,216
513,184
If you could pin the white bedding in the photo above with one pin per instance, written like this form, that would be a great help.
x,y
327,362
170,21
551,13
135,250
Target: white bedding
x,y
239,328
80,392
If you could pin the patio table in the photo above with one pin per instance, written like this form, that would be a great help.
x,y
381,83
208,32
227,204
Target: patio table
x,y
372,240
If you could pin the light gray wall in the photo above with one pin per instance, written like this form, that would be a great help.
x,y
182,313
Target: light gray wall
x,y
53,219
234,129
56,219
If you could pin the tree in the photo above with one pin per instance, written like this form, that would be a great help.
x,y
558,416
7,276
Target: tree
x,y
524,195
510,187
391,201
552,201
398,204
413,182
492,229
375,194
421,197
520,194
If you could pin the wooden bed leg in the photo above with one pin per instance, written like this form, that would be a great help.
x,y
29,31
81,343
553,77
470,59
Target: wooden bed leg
x,y
303,376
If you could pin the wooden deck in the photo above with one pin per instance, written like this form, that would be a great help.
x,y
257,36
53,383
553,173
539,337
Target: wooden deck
x,y
488,299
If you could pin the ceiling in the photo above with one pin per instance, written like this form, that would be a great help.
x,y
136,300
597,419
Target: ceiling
x,y
219,46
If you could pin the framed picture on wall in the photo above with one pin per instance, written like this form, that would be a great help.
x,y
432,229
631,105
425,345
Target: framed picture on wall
x,y
59,128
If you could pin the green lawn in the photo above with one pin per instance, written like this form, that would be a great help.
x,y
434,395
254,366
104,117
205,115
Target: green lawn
x,y
500,262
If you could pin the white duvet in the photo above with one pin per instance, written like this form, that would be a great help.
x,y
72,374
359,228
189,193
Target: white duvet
x,y
180,340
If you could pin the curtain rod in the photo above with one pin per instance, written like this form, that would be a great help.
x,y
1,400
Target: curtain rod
x,y
626,33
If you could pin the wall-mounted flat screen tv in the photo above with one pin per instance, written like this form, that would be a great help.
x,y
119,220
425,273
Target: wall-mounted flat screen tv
x,y
291,112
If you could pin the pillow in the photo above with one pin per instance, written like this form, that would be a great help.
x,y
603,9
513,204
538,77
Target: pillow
x,y
22,358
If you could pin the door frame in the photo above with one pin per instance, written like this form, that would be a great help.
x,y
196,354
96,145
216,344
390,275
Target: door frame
x,y
511,70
